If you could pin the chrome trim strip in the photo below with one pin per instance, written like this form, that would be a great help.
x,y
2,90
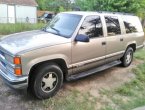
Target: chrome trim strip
x,y
94,60
141,46
85,62
114,54
7,63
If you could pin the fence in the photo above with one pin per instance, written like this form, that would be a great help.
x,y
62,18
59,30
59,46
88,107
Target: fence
x,y
18,20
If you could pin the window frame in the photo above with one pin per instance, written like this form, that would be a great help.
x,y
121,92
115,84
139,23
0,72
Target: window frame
x,y
101,23
120,26
140,29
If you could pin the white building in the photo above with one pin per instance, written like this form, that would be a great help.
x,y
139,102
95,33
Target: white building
x,y
18,11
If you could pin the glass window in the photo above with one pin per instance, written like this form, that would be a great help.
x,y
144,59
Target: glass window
x,y
132,24
92,27
63,24
113,27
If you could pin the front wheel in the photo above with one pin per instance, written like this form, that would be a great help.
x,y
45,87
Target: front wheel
x,y
47,81
128,57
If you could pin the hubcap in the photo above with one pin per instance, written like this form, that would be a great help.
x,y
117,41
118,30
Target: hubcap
x,y
49,82
128,57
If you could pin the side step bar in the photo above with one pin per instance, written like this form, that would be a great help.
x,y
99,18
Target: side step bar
x,y
92,71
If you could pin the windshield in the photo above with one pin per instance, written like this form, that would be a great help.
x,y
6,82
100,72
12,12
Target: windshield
x,y
63,24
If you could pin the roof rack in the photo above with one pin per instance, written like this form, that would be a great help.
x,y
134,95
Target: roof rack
x,y
122,13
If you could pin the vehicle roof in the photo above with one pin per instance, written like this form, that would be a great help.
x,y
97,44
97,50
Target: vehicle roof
x,y
85,13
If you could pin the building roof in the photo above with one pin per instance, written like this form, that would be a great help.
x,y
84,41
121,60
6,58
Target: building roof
x,y
20,2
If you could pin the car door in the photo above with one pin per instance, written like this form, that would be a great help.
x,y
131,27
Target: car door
x,y
87,55
114,39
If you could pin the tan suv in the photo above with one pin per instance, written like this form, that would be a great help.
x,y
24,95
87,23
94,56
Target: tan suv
x,y
73,45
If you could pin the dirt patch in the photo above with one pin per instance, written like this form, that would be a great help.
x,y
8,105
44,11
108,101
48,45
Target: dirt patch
x,y
113,77
107,79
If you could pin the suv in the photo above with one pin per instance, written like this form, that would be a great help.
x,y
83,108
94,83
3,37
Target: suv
x,y
46,17
73,45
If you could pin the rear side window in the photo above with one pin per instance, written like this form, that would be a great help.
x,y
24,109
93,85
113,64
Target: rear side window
x,y
132,24
113,27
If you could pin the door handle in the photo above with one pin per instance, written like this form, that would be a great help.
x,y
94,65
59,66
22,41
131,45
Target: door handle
x,y
121,39
104,43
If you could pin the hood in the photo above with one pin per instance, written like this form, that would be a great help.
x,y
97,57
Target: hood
x,y
25,41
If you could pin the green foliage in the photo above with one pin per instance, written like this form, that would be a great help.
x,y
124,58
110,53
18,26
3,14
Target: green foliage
x,y
54,5
19,27
130,6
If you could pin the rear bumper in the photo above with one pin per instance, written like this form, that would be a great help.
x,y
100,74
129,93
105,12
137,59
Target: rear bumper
x,y
13,81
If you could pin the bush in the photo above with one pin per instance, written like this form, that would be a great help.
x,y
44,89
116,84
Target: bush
x,y
20,27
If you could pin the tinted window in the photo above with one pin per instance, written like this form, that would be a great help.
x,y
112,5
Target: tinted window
x,y
63,24
92,27
132,24
113,27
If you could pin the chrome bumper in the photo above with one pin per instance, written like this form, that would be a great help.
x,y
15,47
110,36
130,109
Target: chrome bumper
x,y
14,81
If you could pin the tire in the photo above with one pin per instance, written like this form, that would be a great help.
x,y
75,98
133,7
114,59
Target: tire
x,y
46,81
127,58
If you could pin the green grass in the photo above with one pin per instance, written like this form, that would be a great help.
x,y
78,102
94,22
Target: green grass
x,y
20,27
73,101
131,94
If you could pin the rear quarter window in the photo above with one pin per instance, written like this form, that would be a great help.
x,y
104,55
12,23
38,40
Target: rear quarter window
x,y
132,24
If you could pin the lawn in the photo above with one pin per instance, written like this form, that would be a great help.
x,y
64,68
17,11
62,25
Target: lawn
x,y
131,94
19,27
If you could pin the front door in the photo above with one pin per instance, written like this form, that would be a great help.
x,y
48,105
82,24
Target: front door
x,y
87,55
11,14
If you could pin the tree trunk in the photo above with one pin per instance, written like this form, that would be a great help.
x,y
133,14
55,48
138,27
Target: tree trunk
x,y
143,22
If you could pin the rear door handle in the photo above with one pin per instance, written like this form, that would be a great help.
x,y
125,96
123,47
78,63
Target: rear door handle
x,y
104,43
121,39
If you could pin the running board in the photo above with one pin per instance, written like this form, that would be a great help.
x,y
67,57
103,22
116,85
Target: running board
x,y
92,71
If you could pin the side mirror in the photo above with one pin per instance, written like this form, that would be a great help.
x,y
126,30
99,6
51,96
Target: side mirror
x,y
82,38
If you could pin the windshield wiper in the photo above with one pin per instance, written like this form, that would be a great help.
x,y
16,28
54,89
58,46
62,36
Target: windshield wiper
x,y
58,32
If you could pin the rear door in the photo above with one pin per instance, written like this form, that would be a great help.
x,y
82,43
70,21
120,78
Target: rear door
x,y
114,39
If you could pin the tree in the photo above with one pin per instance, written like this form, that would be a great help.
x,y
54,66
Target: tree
x,y
54,5
129,6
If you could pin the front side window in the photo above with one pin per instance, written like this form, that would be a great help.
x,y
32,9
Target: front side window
x,y
92,27
113,27
132,24
63,24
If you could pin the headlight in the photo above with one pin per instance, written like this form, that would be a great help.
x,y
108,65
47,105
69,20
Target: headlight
x,y
17,61
9,58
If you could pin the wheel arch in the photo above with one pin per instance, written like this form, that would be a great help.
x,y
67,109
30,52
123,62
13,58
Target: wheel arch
x,y
60,62
132,45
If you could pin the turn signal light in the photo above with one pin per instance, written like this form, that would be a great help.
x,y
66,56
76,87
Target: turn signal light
x,y
18,71
17,60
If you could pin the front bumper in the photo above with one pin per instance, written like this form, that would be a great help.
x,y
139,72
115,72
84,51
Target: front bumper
x,y
14,81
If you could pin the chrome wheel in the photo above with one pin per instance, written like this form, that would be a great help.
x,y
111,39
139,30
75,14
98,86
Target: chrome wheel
x,y
129,57
49,82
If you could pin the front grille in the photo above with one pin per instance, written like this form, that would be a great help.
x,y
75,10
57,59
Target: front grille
x,y
5,66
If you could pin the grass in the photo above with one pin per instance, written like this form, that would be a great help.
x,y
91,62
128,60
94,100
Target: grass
x,y
19,27
131,94
73,101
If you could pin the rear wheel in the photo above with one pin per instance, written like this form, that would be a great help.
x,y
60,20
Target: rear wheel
x,y
128,57
46,81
